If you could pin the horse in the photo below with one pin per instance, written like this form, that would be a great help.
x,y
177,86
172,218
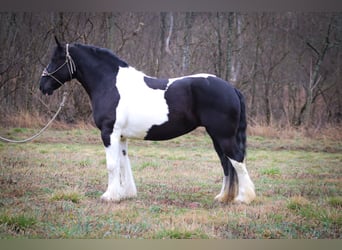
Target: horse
x,y
128,104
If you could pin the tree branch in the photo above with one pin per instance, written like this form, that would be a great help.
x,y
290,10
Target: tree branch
x,y
313,48
167,41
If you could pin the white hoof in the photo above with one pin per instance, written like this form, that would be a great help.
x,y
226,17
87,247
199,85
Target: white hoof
x,y
108,197
129,191
245,198
223,198
131,195
246,193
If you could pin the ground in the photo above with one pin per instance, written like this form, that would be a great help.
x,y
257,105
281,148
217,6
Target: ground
x,y
51,188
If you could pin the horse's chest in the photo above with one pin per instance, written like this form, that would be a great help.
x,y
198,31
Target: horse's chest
x,y
139,108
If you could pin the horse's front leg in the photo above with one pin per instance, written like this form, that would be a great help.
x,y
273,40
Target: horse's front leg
x,y
126,176
114,192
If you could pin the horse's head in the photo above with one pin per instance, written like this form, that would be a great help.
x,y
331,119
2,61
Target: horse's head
x,y
60,69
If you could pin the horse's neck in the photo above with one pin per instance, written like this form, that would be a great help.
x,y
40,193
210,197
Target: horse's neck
x,y
92,79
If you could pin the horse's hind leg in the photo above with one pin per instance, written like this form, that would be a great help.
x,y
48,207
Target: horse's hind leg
x,y
235,157
229,185
237,185
246,187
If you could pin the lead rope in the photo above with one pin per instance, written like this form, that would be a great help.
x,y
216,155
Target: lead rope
x,y
61,105
69,62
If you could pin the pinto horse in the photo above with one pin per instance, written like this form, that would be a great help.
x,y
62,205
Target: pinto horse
x,y
126,103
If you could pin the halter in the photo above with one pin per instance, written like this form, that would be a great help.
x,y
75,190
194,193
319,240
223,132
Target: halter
x,y
70,65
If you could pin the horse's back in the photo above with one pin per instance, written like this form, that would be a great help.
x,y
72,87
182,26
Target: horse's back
x,y
215,93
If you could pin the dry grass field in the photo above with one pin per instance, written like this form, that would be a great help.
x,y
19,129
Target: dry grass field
x,y
51,188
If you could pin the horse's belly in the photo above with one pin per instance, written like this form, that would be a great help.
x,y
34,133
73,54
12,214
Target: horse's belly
x,y
137,127
136,118
169,130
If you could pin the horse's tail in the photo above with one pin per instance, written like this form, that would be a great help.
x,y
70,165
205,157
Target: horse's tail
x,y
241,131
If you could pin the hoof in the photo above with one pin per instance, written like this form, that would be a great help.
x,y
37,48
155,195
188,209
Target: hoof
x,y
246,197
130,194
107,197
223,198
219,198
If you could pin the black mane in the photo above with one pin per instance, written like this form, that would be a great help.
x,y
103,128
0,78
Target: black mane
x,y
104,54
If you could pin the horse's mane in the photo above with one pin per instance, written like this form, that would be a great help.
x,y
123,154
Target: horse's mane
x,y
104,54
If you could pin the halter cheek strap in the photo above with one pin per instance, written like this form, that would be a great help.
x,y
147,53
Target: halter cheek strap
x,y
70,65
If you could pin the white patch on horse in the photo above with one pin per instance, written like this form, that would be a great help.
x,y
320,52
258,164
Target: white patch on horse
x,y
120,179
114,191
223,195
203,75
246,186
126,176
140,107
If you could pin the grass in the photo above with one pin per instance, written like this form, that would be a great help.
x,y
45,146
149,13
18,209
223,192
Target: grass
x,y
335,202
17,223
271,171
68,196
176,234
51,188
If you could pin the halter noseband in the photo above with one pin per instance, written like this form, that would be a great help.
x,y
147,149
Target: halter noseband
x,y
70,65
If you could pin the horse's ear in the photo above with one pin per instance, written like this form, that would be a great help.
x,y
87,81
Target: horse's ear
x,y
57,42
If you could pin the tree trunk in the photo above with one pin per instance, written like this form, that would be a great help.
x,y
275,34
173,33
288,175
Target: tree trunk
x,y
110,36
219,45
267,102
187,40
253,108
229,52
315,78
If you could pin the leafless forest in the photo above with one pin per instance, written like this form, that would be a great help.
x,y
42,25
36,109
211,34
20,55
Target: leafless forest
x,y
288,65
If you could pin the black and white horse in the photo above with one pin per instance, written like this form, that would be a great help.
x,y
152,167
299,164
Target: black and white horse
x,y
127,103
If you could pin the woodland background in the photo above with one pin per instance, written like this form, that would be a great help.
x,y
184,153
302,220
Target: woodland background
x,y
288,65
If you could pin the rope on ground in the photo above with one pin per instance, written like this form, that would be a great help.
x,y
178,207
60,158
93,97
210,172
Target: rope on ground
x,y
61,105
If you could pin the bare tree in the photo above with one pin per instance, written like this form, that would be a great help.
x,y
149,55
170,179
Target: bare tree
x,y
288,65
189,19
315,78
